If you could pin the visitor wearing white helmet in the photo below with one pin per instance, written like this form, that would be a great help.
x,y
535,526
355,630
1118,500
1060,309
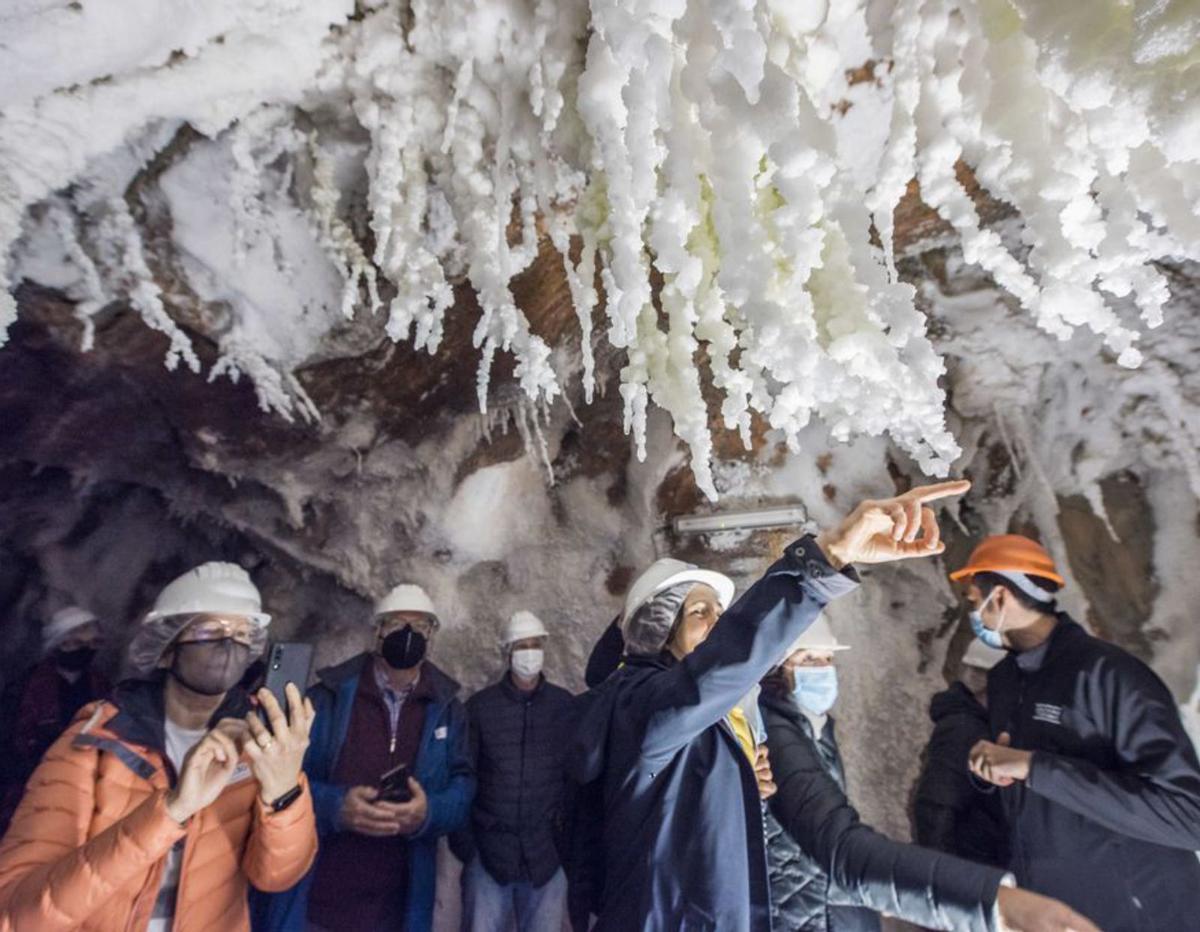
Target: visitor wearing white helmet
x,y
389,710
513,878
41,703
176,760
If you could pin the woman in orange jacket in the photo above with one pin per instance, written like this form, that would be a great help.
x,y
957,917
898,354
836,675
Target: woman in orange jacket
x,y
156,809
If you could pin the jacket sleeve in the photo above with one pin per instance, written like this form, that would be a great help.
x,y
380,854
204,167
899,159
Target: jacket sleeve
x,y
606,655
327,797
450,806
282,845
749,639
924,887
52,876
1153,791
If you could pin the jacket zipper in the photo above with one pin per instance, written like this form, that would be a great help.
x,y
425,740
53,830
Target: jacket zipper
x,y
521,786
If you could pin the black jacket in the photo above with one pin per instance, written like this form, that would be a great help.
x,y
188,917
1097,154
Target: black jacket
x,y
682,824
802,898
1109,818
953,810
517,749
931,889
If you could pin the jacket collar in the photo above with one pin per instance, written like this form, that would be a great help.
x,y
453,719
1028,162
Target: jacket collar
x,y
1064,633
141,711
509,688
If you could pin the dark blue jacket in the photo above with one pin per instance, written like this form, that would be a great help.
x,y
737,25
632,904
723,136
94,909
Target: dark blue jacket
x,y
683,829
517,752
1109,819
443,770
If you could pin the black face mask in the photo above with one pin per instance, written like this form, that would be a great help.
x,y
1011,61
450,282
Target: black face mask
x,y
210,668
75,661
404,649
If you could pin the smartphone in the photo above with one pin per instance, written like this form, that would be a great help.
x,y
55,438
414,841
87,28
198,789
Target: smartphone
x,y
287,662
393,786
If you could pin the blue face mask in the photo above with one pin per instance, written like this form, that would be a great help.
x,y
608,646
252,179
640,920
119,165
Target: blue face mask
x,y
983,632
816,688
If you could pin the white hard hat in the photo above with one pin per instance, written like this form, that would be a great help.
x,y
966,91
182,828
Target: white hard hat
x,y
667,572
62,623
406,598
818,636
211,588
523,625
981,655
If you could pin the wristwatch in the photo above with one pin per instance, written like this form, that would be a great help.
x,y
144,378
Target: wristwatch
x,y
282,802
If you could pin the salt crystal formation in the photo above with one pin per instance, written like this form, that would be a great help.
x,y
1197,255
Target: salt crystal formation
x,y
709,164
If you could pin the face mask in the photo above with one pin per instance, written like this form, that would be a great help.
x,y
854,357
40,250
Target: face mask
x,y
404,649
816,688
210,668
528,663
75,661
983,632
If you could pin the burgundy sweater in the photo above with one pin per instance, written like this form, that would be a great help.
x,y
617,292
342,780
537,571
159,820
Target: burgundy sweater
x,y
360,881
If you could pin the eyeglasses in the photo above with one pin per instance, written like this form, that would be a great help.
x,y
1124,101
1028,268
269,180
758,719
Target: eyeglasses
x,y
422,624
241,630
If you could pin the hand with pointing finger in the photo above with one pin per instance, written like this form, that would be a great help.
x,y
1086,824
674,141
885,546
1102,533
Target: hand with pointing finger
x,y
899,528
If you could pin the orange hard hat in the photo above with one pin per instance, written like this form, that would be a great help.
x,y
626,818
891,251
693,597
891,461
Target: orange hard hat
x,y
1010,553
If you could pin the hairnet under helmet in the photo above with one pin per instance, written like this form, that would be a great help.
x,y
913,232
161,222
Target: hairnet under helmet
x,y
211,588
648,629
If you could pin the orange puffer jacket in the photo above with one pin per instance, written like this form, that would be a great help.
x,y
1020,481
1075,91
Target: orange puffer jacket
x,y
89,842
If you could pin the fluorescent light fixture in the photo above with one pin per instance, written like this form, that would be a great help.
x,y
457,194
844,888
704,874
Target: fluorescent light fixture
x,y
791,515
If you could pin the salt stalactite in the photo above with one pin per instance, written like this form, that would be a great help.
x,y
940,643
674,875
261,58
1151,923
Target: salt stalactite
x,y
1073,114
83,98
336,237
462,100
715,140
276,391
117,235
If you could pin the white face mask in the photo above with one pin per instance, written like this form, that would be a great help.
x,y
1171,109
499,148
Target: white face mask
x,y
527,663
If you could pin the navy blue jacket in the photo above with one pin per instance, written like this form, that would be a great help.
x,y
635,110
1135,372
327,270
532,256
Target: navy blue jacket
x,y
683,828
517,750
1109,819
443,770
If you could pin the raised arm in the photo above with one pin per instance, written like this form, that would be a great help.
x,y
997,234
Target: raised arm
x,y
754,632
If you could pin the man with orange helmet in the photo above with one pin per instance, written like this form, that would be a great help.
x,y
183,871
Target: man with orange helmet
x,y
1100,782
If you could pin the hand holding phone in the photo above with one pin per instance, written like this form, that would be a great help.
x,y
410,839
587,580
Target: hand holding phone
x,y
287,662
393,786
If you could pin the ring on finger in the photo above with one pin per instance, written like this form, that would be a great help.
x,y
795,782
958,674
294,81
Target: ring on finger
x,y
265,741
